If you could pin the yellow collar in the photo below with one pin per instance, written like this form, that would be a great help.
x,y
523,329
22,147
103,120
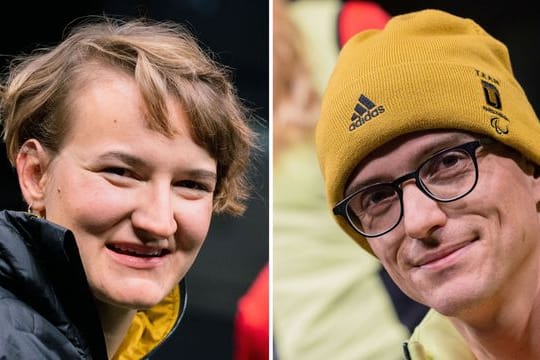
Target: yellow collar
x,y
150,327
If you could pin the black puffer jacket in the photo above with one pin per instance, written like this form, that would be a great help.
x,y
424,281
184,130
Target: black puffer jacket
x,y
46,307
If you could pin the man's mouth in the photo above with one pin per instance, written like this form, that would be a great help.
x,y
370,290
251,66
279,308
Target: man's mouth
x,y
442,255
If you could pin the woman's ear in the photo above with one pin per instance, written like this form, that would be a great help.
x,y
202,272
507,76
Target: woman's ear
x,y
32,161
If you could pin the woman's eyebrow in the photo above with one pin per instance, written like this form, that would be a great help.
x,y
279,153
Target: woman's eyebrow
x,y
129,159
202,174
137,162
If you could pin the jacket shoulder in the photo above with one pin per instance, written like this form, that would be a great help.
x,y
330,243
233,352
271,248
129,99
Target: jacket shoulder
x,y
25,334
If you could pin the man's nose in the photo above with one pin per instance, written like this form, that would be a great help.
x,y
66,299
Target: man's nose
x,y
421,214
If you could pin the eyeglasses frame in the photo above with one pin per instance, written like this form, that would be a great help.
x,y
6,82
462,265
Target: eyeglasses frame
x,y
340,209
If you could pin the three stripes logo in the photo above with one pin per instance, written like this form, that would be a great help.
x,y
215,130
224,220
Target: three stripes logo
x,y
364,110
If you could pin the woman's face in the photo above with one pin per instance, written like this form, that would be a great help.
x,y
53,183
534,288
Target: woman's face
x,y
138,202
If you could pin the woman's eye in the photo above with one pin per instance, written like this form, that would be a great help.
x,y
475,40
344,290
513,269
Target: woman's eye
x,y
195,185
118,171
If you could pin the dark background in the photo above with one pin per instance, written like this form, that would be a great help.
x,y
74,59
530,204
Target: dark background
x,y
236,31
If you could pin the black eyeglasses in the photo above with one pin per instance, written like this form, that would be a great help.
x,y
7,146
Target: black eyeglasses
x,y
446,176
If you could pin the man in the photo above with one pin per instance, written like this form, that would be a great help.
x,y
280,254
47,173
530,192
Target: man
x,y
429,150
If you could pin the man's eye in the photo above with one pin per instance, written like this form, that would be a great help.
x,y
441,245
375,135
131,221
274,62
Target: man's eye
x,y
379,196
449,160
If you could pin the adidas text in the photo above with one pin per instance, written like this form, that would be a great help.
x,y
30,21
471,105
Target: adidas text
x,y
359,120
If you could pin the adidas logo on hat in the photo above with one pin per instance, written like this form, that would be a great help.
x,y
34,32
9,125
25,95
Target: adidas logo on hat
x,y
364,110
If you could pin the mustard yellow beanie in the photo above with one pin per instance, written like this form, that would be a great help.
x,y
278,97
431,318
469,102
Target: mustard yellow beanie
x,y
424,70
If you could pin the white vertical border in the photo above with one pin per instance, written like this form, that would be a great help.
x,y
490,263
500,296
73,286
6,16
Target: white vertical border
x,y
271,178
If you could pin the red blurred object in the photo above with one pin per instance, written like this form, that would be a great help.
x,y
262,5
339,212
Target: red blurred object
x,y
251,327
357,16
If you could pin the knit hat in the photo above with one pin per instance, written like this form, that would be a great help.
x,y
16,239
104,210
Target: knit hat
x,y
424,70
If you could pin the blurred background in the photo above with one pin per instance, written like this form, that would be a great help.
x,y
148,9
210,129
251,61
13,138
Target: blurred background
x,y
515,23
237,33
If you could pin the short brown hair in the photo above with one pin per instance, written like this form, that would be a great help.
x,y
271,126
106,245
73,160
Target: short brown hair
x,y
164,59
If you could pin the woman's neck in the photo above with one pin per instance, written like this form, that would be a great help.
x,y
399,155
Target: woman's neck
x,y
115,322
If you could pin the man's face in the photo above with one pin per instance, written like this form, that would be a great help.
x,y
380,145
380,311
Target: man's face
x,y
138,202
470,252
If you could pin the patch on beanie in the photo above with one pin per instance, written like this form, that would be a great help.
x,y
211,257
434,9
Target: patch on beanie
x,y
364,111
492,96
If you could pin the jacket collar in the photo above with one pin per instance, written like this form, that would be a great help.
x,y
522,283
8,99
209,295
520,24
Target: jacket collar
x,y
437,338
41,265
151,328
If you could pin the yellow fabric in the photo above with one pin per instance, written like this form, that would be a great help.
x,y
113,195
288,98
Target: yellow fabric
x,y
317,21
425,70
435,338
150,327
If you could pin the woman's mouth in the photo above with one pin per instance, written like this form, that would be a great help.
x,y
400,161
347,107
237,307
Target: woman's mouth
x,y
136,256
137,250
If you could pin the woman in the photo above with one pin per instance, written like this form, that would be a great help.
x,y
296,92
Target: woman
x,y
126,137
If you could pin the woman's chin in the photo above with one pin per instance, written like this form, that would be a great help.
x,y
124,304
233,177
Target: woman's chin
x,y
134,297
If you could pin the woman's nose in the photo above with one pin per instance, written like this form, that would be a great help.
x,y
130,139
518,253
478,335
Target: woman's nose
x,y
155,213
